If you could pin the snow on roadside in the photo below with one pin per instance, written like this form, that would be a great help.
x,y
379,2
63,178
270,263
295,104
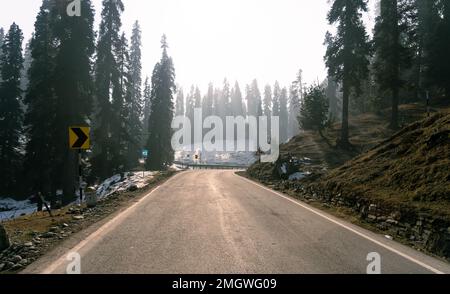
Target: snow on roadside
x,y
176,167
284,168
299,176
118,183
11,209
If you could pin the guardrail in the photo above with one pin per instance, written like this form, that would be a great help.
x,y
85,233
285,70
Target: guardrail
x,y
211,166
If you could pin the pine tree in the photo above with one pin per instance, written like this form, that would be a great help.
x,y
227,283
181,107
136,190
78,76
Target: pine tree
x,y
298,84
237,108
216,101
190,104
440,48
2,37
107,157
254,105
122,104
276,99
314,110
207,105
294,104
295,97
254,101
267,102
41,102
347,53
331,93
179,108
284,116
224,101
134,124
10,109
73,87
392,55
27,59
161,115
146,111
197,98
427,19
237,104
248,102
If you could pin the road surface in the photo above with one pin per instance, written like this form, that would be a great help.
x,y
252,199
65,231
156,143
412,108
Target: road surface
x,y
207,222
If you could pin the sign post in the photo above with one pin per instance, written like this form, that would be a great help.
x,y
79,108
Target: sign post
x,y
145,156
79,139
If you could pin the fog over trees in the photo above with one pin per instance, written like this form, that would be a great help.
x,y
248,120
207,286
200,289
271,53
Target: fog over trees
x,y
72,73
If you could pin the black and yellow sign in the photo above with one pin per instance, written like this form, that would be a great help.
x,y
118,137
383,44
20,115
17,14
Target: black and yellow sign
x,y
79,137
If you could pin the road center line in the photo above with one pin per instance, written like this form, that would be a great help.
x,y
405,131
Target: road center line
x,y
406,256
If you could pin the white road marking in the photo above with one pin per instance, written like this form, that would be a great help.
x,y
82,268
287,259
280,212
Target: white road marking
x,y
412,259
97,235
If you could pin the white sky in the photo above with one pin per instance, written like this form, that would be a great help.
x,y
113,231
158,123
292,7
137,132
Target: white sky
x,y
212,39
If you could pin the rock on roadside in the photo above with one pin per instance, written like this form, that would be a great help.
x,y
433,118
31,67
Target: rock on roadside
x,y
4,239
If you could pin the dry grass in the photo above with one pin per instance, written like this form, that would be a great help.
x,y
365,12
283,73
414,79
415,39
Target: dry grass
x,y
23,229
411,168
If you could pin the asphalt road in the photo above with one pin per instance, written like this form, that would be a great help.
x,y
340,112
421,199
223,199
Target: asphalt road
x,y
209,222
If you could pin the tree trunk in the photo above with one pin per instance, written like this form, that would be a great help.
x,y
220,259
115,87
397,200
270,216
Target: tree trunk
x,y
69,175
395,101
39,203
396,67
344,141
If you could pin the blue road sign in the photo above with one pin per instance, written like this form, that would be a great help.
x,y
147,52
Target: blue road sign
x,y
145,153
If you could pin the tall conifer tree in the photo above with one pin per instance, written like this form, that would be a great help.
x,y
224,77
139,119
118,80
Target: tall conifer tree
x,y
10,108
107,157
135,103
347,53
161,114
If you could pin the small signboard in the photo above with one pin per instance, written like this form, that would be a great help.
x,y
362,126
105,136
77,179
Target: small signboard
x,y
79,138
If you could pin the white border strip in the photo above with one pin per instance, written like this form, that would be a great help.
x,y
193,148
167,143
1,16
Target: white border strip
x,y
412,259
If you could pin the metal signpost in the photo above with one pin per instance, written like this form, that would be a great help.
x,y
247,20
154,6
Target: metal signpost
x,y
79,139
145,154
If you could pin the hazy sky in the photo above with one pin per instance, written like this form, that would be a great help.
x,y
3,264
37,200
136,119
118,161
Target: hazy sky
x,y
212,39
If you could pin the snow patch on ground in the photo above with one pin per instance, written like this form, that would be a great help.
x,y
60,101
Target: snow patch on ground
x,y
284,168
299,176
175,167
119,183
11,209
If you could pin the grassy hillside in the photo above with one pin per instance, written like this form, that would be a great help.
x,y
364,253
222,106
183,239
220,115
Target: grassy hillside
x,y
366,131
398,183
412,167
